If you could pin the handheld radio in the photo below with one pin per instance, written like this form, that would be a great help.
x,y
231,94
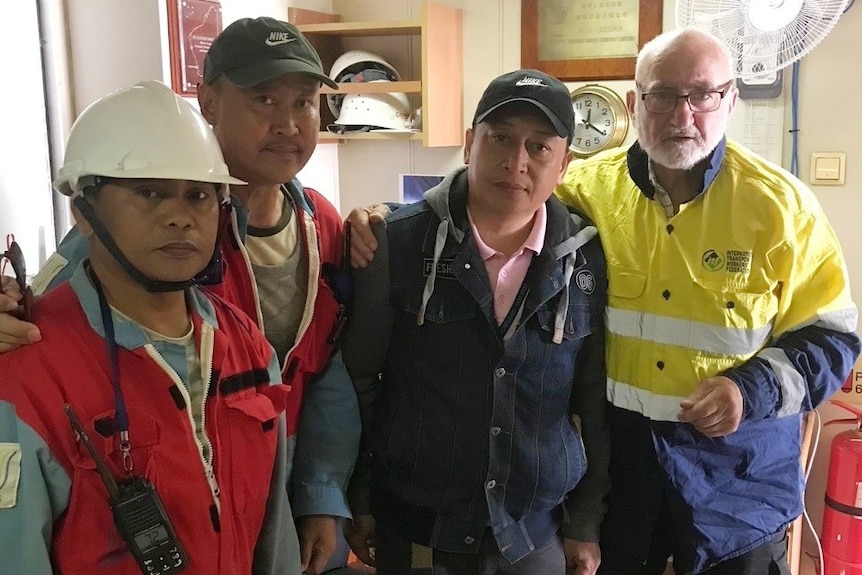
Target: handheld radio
x,y
139,515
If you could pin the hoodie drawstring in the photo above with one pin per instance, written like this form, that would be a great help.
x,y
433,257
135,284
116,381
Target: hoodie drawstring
x,y
563,304
439,242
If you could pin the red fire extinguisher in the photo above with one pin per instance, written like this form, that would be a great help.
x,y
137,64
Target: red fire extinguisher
x,y
842,515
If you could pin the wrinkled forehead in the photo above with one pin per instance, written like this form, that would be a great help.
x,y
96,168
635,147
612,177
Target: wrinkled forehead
x,y
684,67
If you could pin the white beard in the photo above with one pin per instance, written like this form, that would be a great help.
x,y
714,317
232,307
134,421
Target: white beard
x,y
682,155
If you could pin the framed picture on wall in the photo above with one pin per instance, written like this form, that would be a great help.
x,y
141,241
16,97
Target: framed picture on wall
x,y
587,39
192,27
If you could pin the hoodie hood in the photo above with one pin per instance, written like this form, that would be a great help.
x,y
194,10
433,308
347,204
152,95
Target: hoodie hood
x,y
439,198
566,233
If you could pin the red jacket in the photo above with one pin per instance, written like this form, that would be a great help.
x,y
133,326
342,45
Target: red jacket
x,y
326,452
321,241
71,365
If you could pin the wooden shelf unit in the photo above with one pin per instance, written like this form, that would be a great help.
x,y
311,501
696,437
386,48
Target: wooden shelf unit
x,y
441,87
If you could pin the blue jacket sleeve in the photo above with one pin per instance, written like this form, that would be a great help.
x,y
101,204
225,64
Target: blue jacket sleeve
x,y
799,372
34,492
277,549
327,444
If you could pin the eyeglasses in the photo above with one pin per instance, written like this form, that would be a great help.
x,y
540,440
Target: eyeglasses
x,y
698,102
15,257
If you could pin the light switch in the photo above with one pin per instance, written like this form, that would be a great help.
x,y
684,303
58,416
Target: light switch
x,y
828,168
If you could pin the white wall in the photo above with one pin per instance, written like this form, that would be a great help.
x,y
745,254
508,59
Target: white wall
x,y
114,44
25,181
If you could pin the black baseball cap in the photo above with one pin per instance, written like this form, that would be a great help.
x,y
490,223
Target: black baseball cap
x,y
254,50
543,91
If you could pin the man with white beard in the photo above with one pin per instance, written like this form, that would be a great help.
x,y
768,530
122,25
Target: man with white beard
x,y
729,315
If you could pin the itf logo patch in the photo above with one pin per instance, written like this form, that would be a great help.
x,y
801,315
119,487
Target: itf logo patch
x,y
712,261
734,261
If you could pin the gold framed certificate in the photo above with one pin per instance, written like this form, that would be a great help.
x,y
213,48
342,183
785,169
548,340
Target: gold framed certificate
x,y
587,39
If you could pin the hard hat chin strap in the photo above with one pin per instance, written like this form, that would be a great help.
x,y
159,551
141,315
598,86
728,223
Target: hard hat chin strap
x,y
212,274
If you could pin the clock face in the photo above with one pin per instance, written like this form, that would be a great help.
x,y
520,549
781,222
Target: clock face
x,y
595,120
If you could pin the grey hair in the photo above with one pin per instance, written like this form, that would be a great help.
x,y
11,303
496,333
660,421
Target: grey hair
x,y
656,48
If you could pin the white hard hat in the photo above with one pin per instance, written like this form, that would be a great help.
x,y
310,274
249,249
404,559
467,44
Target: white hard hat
x,y
362,112
358,66
146,131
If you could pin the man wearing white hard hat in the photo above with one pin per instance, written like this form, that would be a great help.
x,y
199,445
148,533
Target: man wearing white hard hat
x,y
145,432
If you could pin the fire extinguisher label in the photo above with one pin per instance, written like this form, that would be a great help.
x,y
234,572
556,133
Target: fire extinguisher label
x,y
852,389
10,473
859,494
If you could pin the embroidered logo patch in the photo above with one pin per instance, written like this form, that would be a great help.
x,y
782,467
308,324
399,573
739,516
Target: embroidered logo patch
x,y
586,281
10,474
712,260
445,268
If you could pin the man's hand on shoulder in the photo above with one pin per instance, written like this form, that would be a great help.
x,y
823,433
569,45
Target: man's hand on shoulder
x,y
714,408
582,557
363,244
317,541
13,332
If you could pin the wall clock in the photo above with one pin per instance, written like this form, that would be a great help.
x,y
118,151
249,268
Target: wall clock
x,y
601,120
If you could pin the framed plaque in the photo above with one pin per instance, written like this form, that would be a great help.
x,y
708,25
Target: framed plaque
x,y
192,27
587,39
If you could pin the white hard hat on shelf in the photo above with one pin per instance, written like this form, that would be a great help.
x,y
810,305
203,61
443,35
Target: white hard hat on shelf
x,y
358,66
145,131
364,112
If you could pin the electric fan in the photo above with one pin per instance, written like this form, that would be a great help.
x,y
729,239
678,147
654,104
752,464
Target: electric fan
x,y
764,36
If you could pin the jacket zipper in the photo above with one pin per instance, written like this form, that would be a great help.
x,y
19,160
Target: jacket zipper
x,y
206,348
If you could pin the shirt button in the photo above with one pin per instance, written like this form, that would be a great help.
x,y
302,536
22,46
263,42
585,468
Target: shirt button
x,y
730,305
499,372
504,273
466,266
665,294
469,540
495,431
660,364
670,228
491,484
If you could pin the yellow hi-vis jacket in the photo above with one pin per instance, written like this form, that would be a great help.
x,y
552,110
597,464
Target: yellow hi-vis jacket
x,y
746,281
747,261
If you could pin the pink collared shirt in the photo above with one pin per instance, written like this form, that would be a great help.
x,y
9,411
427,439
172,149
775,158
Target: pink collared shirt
x,y
507,274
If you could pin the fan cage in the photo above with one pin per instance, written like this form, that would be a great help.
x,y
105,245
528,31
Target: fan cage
x,y
759,53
